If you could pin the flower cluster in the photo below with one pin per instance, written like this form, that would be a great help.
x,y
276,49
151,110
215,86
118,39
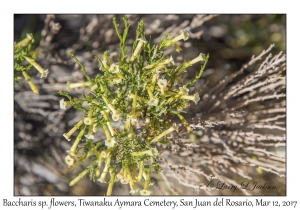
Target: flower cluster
x,y
140,92
23,53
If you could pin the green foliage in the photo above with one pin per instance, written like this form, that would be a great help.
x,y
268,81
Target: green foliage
x,y
140,93
23,51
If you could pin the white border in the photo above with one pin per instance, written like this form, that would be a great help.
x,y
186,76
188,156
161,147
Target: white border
x,y
165,7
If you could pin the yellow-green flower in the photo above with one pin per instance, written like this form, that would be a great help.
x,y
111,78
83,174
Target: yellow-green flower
x,y
201,57
150,152
87,120
89,136
30,83
69,160
24,42
153,102
110,142
43,72
194,97
115,116
67,136
114,68
77,84
183,90
162,83
171,129
184,35
125,180
138,48
70,133
145,192
95,128
63,104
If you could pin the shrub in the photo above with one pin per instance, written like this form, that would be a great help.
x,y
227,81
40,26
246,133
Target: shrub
x,y
142,92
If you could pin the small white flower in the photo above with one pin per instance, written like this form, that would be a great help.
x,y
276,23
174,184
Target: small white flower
x,y
110,142
62,104
125,180
104,154
114,69
29,36
69,160
153,102
185,34
196,98
89,136
145,192
120,176
115,117
167,61
101,179
154,152
87,120
162,83
175,126
114,101
104,62
134,191
142,40
45,73
162,111
147,121
139,46
66,136
71,152
132,119
117,81
157,70
183,90
171,60
201,57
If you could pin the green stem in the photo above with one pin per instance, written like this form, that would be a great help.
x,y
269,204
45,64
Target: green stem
x,y
80,64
